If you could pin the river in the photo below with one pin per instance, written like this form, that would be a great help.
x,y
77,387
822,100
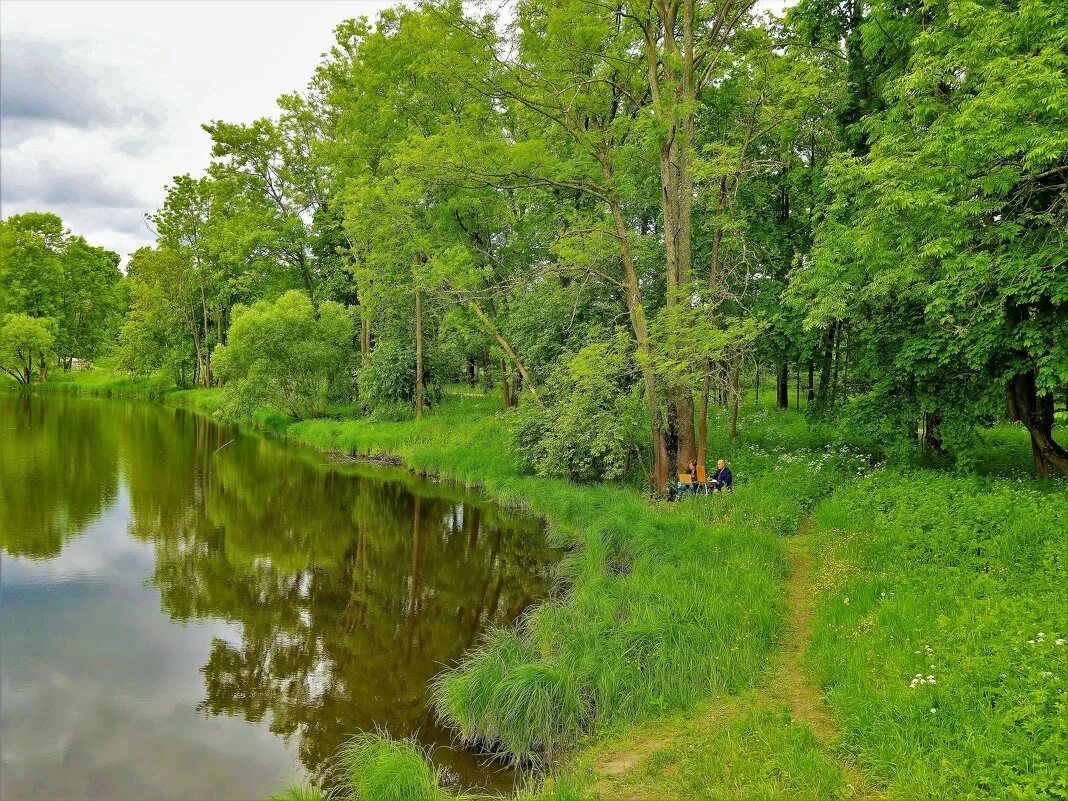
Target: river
x,y
189,611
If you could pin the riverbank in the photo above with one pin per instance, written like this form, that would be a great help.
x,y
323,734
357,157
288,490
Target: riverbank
x,y
663,604
693,651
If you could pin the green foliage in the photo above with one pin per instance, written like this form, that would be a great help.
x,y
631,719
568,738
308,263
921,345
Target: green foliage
x,y
943,245
285,355
387,379
47,272
942,647
299,792
24,341
588,428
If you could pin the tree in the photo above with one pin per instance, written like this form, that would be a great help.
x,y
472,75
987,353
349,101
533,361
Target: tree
x,y
161,325
47,272
944,247
25,340
286,355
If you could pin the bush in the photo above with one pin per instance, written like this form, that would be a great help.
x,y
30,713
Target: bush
x,y
589,425
287,356
387,379
381,769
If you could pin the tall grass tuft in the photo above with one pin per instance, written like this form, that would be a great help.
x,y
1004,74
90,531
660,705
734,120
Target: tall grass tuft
x,y
300,792
377,768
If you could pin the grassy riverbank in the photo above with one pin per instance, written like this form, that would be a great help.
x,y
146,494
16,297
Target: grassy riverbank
x,y
691,646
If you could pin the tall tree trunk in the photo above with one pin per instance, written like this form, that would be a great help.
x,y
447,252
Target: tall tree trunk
x,y
823,390
1035,411
797,387
782,386
931,441
42,368
207,351
702,416
471,372
365,335
418,354
506,398
832,397
811,376
487,379
636,311
736,391
673,86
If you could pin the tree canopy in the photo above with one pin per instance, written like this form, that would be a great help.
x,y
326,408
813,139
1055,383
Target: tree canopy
x,y
597,205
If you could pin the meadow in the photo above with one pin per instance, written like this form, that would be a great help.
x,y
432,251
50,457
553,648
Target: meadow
x,y
837,627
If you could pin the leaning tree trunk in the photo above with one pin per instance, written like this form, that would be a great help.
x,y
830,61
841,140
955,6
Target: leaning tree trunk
x,y
636,311
1035,411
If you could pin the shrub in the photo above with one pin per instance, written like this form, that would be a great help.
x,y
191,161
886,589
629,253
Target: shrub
x,y
589,425
387,378
285,355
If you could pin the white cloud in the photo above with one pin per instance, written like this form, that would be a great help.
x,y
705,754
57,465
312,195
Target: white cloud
x,y
102,102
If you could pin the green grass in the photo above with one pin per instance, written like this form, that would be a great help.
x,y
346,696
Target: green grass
x,y
942,645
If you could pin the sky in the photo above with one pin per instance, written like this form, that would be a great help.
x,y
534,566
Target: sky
x,y
101,103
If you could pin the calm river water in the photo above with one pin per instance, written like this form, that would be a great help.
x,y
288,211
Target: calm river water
x,y
190,612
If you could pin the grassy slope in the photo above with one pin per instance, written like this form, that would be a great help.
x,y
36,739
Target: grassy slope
x,y
676,616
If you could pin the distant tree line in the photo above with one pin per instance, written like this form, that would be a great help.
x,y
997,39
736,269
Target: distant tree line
x,y
627,213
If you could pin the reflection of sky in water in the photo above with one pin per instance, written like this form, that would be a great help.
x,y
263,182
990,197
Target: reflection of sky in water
x,y
319,601
98,687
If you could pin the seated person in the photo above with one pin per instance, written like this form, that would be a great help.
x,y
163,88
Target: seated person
x,y
722,478
687,481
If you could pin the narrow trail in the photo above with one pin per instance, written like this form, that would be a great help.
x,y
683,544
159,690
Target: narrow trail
x,y
787,686
788,683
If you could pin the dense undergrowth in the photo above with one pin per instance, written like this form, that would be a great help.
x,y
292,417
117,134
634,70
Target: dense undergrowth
x,y
662,606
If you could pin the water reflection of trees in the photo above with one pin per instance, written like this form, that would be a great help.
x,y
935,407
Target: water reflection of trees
x,y
59,471
351,592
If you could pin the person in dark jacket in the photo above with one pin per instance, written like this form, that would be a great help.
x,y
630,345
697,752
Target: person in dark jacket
x,y
722,478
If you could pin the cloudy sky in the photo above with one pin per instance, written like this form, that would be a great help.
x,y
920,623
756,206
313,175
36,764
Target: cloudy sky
x,y
101,102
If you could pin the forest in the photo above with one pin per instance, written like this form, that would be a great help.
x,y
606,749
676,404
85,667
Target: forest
x,y
627,214
624,234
